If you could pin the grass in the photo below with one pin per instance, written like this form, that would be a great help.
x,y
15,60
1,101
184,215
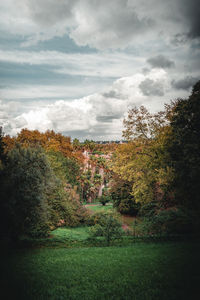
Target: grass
x,y
70,234
138,272
97,208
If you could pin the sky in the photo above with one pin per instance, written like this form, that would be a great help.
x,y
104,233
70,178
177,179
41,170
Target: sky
x,y
78,66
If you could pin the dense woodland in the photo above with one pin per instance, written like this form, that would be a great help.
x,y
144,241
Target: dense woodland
x,y
46,178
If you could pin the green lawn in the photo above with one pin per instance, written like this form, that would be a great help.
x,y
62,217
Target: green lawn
x,y
70,234
100,207
142,271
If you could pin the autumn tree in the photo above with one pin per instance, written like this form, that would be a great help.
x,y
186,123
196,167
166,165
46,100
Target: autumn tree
x,y
143,161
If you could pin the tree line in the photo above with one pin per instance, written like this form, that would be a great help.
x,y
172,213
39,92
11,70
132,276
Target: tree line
x,y
157,172
155,175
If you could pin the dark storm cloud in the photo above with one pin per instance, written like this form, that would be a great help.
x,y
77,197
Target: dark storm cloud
x,y
151,88
160,61
114,23
191,11
185,83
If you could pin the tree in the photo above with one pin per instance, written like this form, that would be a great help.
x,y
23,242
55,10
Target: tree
x,y
76,144
89,145
121,194
108,227
143,161
24,182
184,148
2,148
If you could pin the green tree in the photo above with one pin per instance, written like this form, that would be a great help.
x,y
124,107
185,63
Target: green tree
x,y
184,148
89,145
65,168
24,183
76,144
108,227
121,194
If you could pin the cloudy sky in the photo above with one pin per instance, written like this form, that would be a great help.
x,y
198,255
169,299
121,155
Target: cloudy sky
x,y
77,66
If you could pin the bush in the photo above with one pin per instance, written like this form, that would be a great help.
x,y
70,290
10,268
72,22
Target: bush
x,y
172,221
104,199
128,207
65,208
149,210
165,221
108,227
95,218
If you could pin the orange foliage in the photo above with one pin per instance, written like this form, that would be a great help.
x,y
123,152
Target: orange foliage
x,y
49,140
9,143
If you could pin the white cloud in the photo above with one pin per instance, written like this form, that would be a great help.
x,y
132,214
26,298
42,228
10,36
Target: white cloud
x,y
97,116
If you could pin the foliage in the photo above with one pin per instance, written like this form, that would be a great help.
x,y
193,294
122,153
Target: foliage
x,y
39,192
65,168
121,196
89,145
49,140
144,162
107,226
24,183
166,221
128,207
184,149
65,208
76,144
149,210
104,199
2,146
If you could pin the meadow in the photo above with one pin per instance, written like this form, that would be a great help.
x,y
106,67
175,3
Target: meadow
x,y
65,267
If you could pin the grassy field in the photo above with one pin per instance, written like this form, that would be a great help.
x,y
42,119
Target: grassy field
x,y
70,234
100,207
141,271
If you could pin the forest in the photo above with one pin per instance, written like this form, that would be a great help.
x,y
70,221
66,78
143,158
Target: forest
x,y
59,195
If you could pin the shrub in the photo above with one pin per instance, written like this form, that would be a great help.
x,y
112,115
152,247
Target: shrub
x,y
149,210
104,199
128,207
95,218
65,208
108,227
172,221
165,221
